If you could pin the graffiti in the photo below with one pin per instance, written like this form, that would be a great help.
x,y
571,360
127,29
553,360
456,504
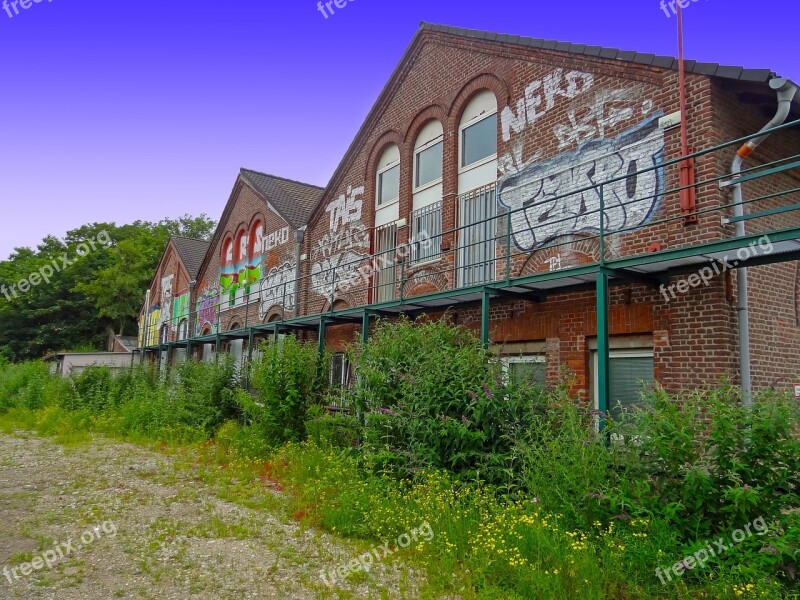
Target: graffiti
x,y
554,263
165,315
207,311
346,208
275,239
540,98
180,309
333,275
277,289
551,204
606,109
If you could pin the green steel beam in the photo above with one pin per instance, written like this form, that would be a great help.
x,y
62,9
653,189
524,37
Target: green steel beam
x,y
603,381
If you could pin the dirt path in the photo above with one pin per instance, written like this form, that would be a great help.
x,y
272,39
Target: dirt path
x,y
133,523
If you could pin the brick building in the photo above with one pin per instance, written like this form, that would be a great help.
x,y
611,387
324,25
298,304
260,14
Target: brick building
x,y
475,188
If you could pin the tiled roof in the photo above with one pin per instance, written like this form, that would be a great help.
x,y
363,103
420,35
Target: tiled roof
x,y
664,62
192,253
293,200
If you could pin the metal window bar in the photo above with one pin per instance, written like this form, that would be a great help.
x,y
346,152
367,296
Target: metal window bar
x,y
426,232
385,259
476,242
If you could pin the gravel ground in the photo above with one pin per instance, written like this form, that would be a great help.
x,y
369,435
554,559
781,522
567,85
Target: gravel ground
x,y
135,523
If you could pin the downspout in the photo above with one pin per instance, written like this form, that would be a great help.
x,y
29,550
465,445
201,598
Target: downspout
x,y
299,234
786,92
146,323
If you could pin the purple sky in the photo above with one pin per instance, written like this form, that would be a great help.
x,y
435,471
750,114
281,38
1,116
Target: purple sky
x,y
121,110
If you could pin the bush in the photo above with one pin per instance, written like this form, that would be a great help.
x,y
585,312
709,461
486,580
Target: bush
x,y
434,398
288,380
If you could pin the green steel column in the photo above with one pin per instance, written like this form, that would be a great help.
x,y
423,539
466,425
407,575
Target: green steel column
x,y
321,338
485,305
365,328
603,387
250,338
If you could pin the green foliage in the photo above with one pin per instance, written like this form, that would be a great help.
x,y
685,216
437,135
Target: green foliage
x,y
434,398
86,294
288,380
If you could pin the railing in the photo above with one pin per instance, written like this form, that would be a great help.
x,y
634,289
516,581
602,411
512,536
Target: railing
x,y
525,226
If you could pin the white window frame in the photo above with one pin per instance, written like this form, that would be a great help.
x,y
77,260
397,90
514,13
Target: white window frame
x,y
379,187
507,361
417,152
463,127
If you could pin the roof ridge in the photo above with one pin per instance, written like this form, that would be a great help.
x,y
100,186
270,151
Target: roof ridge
x,y
605,52
283,178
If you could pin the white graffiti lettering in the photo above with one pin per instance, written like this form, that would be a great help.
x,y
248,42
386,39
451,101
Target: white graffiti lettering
x,y
346,208
277,289
276,238
551,204
607,108
540,98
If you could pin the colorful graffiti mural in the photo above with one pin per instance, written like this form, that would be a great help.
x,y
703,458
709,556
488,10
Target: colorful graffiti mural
x,y
206,307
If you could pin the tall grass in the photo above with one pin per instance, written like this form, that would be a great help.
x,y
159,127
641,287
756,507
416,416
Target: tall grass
x,y
526,498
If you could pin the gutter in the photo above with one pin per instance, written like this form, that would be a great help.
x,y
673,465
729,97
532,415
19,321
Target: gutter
x,y
786,91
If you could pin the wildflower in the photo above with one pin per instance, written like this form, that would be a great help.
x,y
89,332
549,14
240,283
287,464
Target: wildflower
x,y
464,420
473,395
487,391
387,411
769,550
621,517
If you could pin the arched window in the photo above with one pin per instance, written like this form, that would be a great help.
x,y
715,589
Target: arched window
x,y
164,335
254,261
183,329
240,267
477,176
227,274
387,186
426,217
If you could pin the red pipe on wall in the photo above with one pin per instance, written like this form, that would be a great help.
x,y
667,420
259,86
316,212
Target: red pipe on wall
x,y
688,194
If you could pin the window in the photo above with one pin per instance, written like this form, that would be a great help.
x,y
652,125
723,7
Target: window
x,y
340,371
630,372
479,141
428,164
164,334
477,236
385,258
526,369
426,231
389,185
183,329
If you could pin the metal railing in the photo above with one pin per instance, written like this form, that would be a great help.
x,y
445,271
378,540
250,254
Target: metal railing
x,y
519,228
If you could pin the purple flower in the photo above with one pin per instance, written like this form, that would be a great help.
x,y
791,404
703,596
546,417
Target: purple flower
x,y
500,382
593,495
487,391
464,420
386,411
473,395
769,550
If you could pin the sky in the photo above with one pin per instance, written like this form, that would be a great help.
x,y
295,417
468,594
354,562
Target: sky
x,y
120,110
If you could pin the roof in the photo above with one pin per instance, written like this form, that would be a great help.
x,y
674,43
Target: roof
x,y
191,252
294,201
664,62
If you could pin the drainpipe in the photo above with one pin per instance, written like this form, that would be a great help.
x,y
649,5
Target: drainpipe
x,y
298,249
786,92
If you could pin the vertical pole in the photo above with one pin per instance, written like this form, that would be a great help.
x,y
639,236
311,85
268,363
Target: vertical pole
x,y
601,192
485,306
603,382
508,247
365,328
321,337
402,279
